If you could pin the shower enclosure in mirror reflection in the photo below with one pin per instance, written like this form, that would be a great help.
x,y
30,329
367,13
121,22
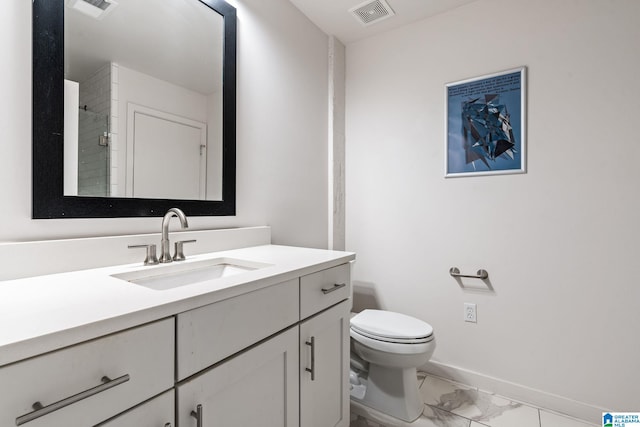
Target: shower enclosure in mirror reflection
x,y
93,153
148,99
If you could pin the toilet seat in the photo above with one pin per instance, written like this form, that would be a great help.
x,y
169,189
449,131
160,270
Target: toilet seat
x,y
391,332
393,340
392,347
391,327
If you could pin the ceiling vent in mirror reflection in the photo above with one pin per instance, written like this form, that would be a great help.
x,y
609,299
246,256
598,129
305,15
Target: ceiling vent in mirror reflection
x,y
96,9
371,12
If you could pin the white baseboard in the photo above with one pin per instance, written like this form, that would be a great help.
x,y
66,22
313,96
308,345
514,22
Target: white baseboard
x,y
541,399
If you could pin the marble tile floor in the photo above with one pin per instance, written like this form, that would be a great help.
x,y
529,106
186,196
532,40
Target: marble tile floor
x,y
450,404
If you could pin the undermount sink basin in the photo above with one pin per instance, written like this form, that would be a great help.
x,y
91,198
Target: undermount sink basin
x,y
179,274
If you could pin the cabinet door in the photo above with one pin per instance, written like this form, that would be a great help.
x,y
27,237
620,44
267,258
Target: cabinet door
x,y
158,412
324,368
258,387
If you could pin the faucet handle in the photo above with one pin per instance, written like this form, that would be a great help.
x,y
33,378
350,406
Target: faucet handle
x,y
151,258
179,254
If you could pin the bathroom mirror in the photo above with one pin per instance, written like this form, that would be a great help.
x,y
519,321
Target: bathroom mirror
x,y
161,118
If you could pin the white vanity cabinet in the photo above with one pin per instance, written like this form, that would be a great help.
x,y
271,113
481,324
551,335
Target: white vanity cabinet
x,y
158,412
88,383
296,374
211,333
323,289
258,387
271,350
324,368
324,347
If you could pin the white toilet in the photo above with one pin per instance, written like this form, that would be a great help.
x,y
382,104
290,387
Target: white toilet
x,y
386,349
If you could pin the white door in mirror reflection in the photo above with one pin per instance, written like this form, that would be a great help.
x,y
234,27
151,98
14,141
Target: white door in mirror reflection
x,y
166,157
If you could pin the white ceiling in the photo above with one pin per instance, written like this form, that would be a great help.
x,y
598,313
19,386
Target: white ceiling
x,y
160,37
178,41
333,16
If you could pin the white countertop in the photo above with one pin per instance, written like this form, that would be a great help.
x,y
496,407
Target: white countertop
x,y
45,313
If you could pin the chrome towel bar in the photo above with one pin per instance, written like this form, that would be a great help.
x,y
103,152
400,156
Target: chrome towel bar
x,y
481,274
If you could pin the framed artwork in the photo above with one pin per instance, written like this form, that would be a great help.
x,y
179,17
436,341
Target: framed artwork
x,y
485,124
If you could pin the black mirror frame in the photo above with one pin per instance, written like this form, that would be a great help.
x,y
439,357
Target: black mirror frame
x,y
48,200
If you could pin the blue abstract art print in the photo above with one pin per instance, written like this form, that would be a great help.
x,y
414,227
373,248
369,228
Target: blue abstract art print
x,y
485,125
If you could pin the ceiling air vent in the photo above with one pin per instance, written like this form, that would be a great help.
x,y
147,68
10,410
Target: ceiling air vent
x,y
371,12
94,8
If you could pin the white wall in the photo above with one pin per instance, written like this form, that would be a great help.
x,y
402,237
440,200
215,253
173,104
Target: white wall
x,y
282,131
560,242
161,96
282,116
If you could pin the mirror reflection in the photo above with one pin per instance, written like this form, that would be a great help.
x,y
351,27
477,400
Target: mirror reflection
x,y
143,99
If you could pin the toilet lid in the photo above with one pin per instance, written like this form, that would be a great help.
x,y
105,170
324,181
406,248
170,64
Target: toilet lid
x,y
389,325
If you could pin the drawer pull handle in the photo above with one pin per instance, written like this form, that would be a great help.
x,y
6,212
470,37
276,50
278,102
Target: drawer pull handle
x,y
312,343
197,414
40,410
334,288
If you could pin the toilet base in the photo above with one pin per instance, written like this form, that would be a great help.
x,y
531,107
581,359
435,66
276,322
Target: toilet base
x,y
360,411
392,391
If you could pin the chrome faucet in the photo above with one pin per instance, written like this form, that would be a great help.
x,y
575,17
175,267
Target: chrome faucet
x,y
165,255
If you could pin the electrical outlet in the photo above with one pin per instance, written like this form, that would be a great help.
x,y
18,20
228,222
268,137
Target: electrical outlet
x,y
470,312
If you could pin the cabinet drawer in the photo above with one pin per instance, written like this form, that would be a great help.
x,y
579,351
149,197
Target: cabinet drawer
x,y
157,412
211,333
90,382
324,289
